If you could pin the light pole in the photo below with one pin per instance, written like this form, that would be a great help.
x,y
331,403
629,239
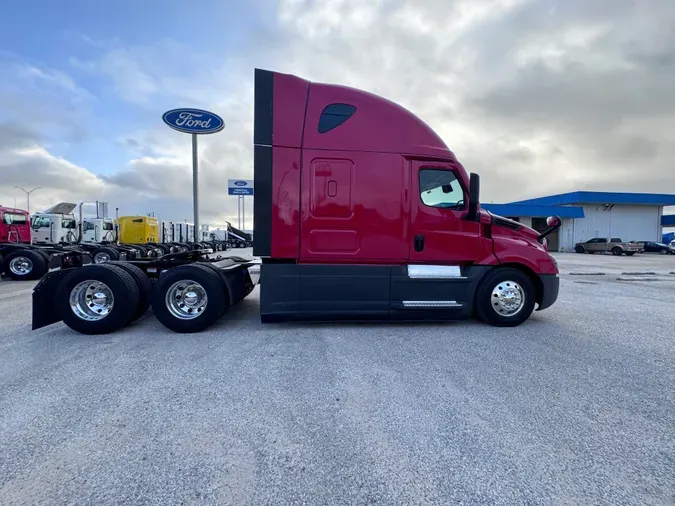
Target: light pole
x,y
28,195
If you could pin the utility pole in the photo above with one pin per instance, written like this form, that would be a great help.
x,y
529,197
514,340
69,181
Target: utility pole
x,y
28,195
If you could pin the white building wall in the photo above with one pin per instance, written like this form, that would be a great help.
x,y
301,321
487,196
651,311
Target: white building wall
x,y
627,222
526,220
566,235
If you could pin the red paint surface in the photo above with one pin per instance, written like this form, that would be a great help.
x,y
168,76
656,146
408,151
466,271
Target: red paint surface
x,y
521,246
447,237
8,233
286,203
351,195
365,220
290,98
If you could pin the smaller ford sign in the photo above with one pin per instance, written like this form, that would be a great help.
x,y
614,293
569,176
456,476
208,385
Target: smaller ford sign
x,y
193,121
240,187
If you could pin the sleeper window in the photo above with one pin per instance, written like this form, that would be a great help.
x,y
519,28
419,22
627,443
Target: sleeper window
x,y
440,188
334,115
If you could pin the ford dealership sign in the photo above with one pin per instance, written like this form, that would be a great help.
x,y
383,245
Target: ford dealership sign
x,y
193,121
240,187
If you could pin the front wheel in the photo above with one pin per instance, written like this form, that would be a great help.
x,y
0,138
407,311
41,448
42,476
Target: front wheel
x,y
579,249
505,298
663,251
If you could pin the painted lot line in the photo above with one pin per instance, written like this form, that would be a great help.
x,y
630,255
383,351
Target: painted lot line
x,y
576,406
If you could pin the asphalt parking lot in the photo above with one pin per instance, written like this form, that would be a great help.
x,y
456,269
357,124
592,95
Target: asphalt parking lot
x,y
576,406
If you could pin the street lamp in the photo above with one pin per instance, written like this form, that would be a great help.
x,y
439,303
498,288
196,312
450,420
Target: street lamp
x,y
28,195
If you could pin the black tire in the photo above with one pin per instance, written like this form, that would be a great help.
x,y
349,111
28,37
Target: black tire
x,y
36,265
44,254
498,278
630,253
143,249
617,251
579,249
124,291
212,284
110,252
216,271
164,248
663,251
144,287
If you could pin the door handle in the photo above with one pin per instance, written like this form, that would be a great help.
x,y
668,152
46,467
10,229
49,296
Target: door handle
x,y
419,242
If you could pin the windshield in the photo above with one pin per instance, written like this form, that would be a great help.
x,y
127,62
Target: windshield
x,y
14,219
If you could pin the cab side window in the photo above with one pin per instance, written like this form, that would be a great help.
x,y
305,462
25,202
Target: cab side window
x,y
440,188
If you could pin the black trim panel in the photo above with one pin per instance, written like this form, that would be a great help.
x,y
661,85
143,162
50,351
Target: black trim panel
x,y
262,203
263,107
460,289
505,222
361,293
550,288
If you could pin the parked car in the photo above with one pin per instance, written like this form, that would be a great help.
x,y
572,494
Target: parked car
x,y
613,245
657,247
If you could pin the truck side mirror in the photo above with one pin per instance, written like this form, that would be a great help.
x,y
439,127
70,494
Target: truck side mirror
x,y
474,197
553,221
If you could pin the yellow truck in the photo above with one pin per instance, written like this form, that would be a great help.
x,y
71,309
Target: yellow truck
x,y
138,229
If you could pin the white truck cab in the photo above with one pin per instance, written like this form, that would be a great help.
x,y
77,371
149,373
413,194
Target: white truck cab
x,y
97,230
57,225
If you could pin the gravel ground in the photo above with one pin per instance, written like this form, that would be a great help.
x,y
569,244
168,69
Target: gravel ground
x,y
576,406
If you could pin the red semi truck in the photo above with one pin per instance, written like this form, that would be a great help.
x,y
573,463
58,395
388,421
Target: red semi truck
x,y
18,258
361,213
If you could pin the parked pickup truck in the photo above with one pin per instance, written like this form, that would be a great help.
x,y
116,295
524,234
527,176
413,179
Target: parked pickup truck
x,y
613,245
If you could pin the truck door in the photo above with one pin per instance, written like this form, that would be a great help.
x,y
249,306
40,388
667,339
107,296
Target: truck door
x,y
438,234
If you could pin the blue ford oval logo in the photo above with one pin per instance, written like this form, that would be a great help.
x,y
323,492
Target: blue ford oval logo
x,y
193,121
240,183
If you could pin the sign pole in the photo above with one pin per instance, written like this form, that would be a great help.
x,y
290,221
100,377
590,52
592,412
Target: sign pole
x,y
195,122
243,213
195,185
239,212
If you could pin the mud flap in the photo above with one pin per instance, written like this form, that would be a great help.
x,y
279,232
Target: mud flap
x,y
45,310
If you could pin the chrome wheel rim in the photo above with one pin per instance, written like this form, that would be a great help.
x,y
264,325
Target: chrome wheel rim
x,y
186,299
21,266
101,257
508,298
91,300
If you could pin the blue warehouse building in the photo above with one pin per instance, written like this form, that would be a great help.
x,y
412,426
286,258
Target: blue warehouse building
x,y
586,214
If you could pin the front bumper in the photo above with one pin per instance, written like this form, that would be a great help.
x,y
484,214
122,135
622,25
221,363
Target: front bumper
x,y
550,287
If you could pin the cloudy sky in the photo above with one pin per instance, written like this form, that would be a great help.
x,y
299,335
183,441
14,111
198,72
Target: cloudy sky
x,y
538,97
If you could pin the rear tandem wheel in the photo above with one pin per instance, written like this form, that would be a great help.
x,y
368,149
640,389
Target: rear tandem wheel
x,y
97,298
189,298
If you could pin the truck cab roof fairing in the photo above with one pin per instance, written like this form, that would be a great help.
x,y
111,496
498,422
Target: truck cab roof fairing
x,y
377,124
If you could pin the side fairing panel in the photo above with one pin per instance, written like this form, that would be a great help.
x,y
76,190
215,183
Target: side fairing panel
x,y
286,203
290,100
